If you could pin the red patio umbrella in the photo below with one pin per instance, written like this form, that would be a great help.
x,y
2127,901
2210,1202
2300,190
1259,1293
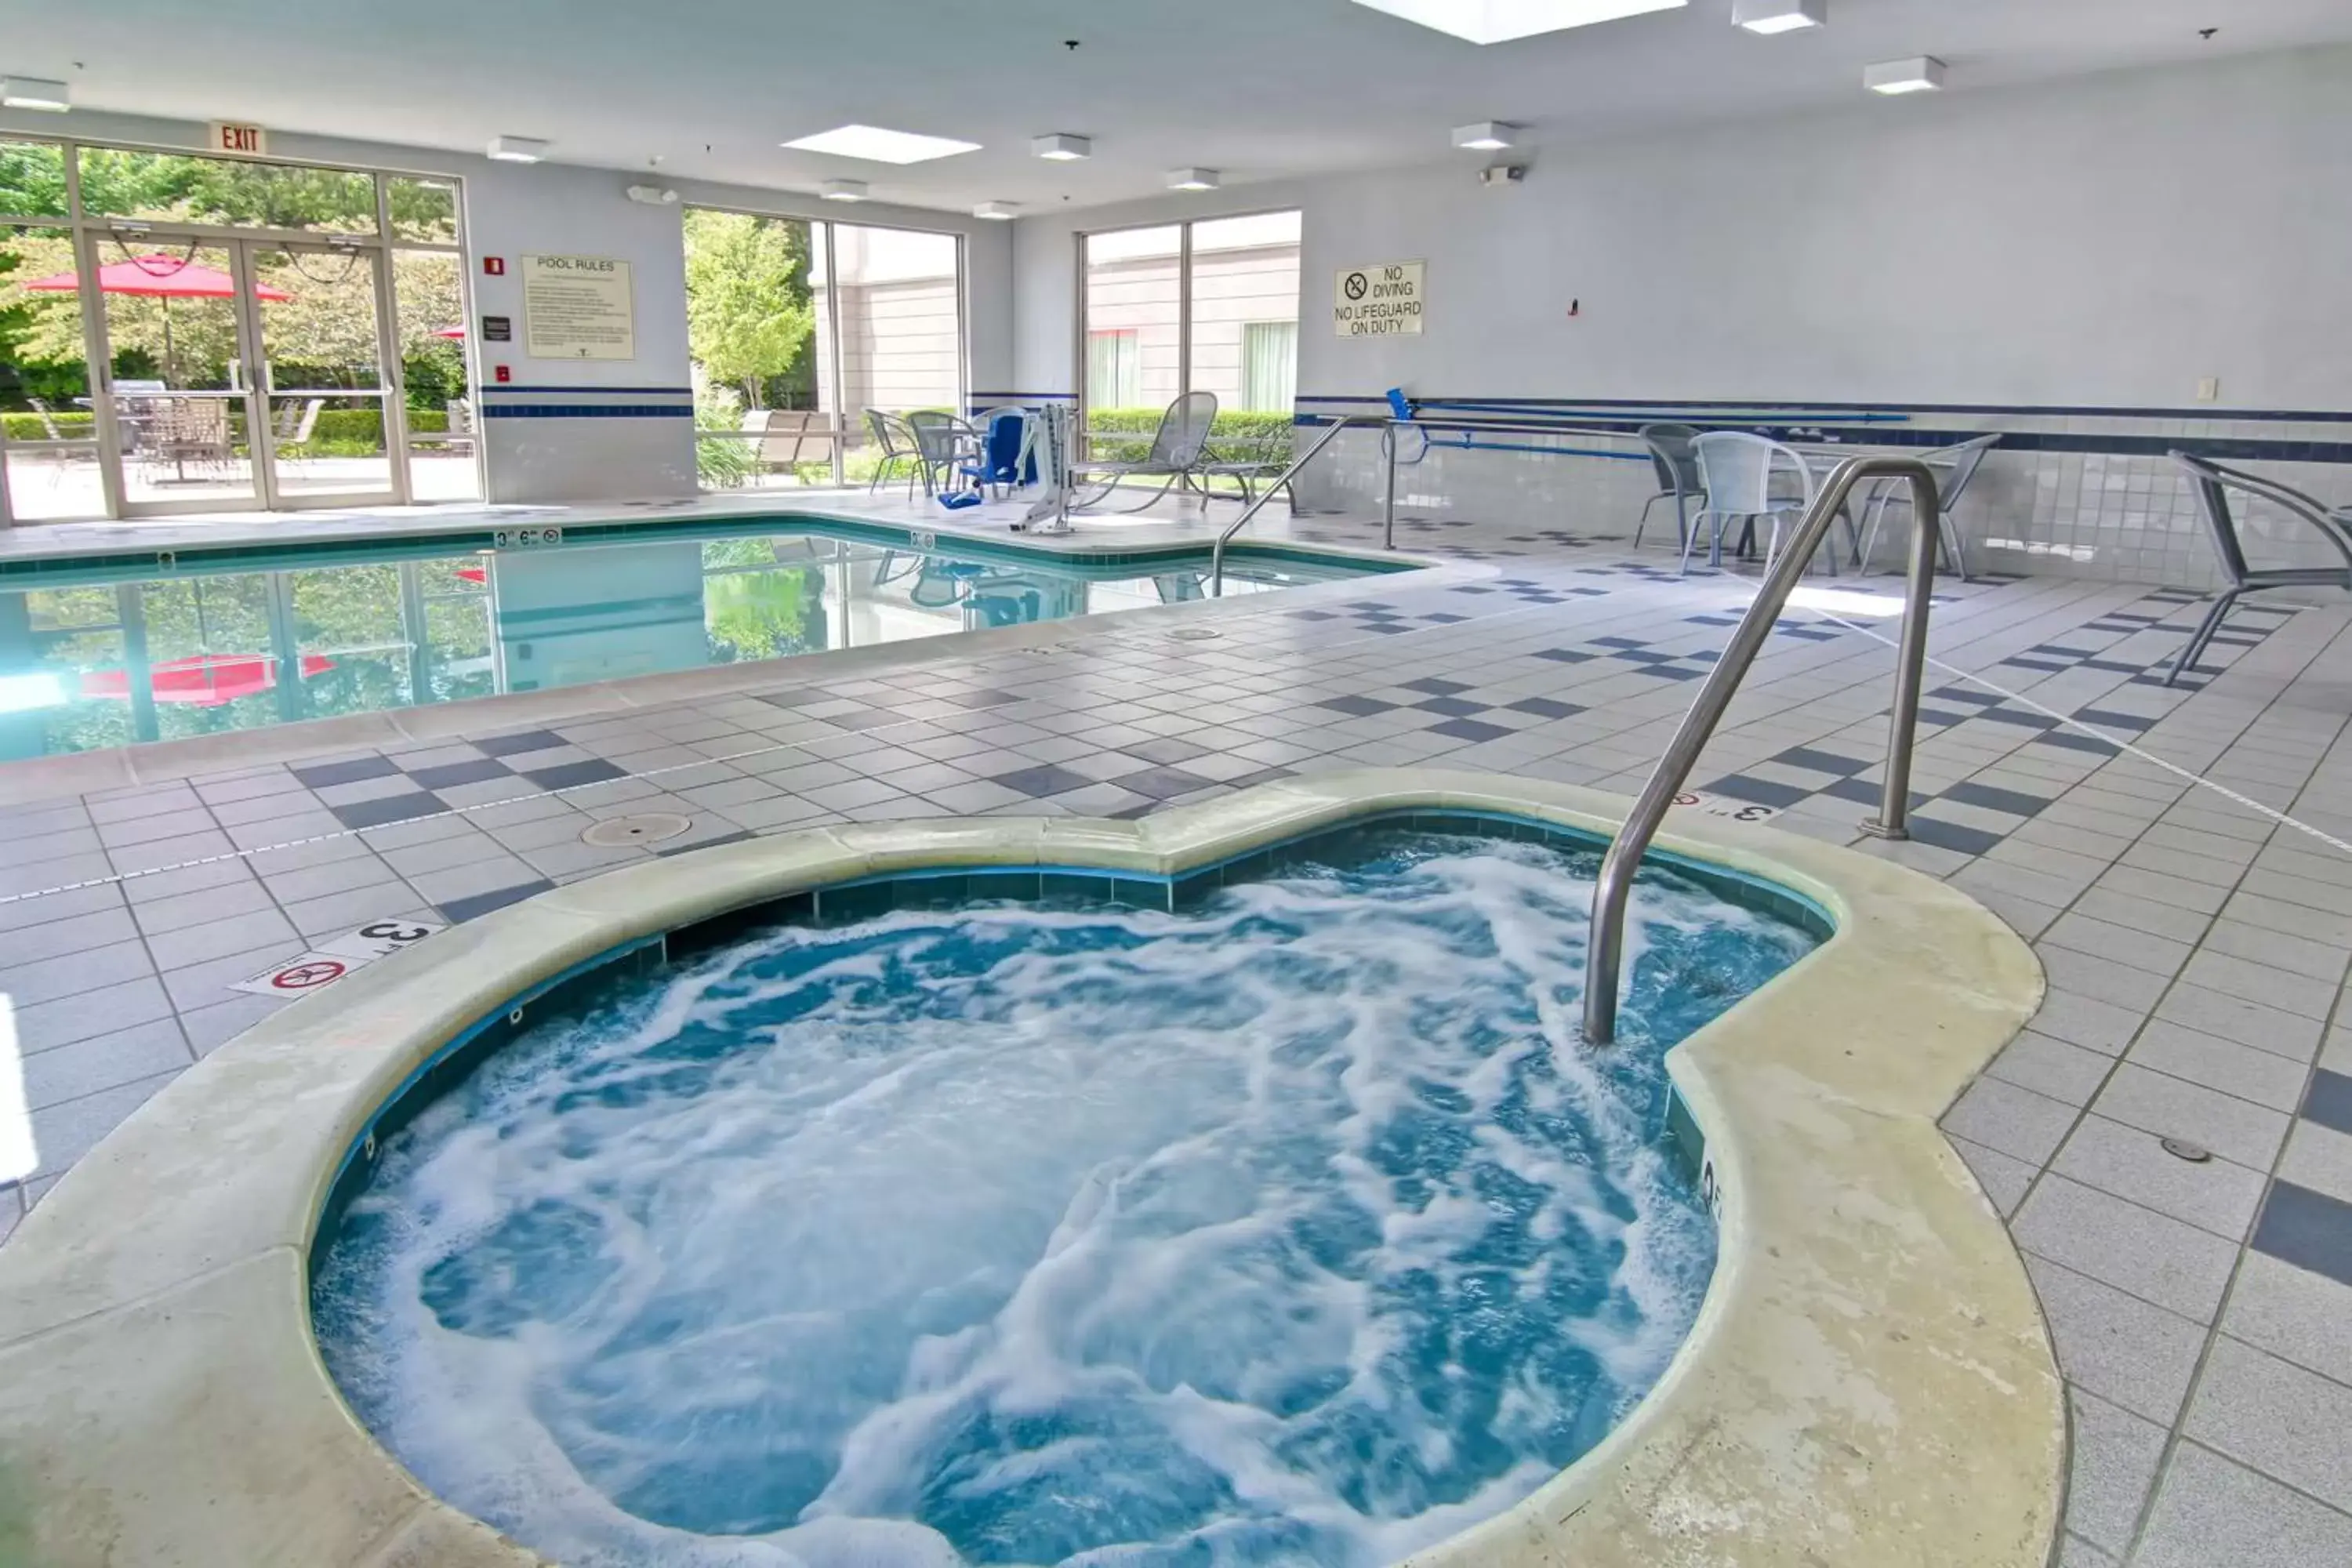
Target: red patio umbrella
x,y
159,276
205,679
456,335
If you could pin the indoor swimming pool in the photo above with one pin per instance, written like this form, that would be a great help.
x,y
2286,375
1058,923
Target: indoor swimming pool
x,y
1284,1222
109,652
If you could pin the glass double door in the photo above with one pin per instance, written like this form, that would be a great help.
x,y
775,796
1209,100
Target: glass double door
x,y
246,372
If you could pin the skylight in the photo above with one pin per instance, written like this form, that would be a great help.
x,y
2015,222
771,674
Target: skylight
x,y
1499,21
880,146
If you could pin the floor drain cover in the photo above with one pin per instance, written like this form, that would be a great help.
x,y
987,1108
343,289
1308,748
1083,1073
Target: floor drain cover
x,y
2181,1149
1195,634
650,828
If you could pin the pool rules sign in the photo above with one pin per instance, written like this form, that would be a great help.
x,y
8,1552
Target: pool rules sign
x,y
577,307
1381,300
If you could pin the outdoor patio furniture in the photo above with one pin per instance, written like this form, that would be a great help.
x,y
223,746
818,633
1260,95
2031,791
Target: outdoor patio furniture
x,y
1737,471
1675,461
896,444
943,442
1178,456
293,425
1265,455
791,436
181,431
460,436
2210,483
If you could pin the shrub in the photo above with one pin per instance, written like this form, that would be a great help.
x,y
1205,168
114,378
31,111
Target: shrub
x,y
1124,434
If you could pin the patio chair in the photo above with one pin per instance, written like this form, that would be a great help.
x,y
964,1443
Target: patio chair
x,y
60,461
293,427
896,442
1179,454
1675,462
1737,470
791,436
1965,459
185,430
2212,483
459,429
943,443
1264,456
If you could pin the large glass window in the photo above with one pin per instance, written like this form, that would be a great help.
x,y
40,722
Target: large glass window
x,y
801,331
182,332
1210,306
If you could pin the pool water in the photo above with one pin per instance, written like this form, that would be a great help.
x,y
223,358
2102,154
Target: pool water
x,y
1293,1227
96,658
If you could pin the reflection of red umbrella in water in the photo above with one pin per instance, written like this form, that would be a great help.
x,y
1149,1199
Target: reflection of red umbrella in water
x,y
205,679
158,277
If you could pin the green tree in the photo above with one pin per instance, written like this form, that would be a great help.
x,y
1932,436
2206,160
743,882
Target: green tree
x,y
748,316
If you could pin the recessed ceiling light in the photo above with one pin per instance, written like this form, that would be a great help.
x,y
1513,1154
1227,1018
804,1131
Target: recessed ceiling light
x,y
1921,73
843,190
1062,148
1499,21
518,148
877,145
997,210
32,92
1779,16
1192,179
1487,136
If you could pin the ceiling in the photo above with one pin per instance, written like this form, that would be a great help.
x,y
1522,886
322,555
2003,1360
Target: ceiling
x,y
1255,88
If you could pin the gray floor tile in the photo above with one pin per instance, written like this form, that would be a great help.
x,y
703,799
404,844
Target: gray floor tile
x,y
2261,983
2242,1070
2319,1158
76,934
65,1132
2115,1455
2012,1120
477,904
2085,1021
2212,1513
2123,1348
162,852
203,983
302,884
2156,1258
483,874
190,944
2168,1107
2276,1416
2294,1314
74,974
2050,1067
2214,1195
118,1006
2266,1028
103,1062
2003,1179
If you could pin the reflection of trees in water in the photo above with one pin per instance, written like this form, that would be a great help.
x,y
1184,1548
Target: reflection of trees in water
x,y
765,614
351,614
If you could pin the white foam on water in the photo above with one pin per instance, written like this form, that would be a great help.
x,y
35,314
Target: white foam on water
x,y
1206,1230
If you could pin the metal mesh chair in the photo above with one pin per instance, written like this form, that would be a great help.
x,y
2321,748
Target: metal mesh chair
x,y
1737,470
896,442
1676,459
2212,483
1179,454
1965,459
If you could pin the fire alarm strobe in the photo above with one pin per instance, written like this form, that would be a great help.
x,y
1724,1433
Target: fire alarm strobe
x,y
494,266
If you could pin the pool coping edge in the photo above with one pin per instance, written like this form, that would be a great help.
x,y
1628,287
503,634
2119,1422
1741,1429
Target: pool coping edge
x,y
1836,1402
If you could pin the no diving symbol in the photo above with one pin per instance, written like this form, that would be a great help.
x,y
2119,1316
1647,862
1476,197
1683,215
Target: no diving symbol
x,y
303,976
1357,285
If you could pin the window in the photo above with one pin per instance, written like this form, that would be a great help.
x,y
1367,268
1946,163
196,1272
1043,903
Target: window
x,y
1113,370
1269,366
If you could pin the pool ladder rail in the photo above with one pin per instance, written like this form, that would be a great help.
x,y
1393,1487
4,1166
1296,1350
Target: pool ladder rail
x,y
1615,884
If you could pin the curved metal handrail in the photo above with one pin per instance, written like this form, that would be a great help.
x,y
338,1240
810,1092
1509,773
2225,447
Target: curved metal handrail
x,y
1615,884
1217,553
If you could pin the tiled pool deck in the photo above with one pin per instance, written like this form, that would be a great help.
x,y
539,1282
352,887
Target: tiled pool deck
x,y
2197,949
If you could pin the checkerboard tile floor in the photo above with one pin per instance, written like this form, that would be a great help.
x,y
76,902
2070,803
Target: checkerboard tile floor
x,y
2197,949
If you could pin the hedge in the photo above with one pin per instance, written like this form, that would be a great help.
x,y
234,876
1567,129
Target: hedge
x,y
360,428
1237,433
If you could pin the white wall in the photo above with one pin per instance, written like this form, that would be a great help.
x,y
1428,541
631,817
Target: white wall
x,y
2104,240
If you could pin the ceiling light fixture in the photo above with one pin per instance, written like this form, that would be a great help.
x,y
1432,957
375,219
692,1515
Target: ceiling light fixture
x,y
518,148
1062,147
1779,16
32,92
1487,136
999,211
876,145
1499,21
1921,73
843,190
1192,179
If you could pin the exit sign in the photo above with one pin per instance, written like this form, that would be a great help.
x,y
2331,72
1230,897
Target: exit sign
x,y
250,141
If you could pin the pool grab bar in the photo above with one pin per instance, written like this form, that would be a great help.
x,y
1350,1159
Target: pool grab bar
x,y
1340,423
1615,884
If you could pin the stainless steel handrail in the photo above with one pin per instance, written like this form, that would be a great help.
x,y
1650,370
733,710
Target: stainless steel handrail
x,y
1217,553
1615,884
